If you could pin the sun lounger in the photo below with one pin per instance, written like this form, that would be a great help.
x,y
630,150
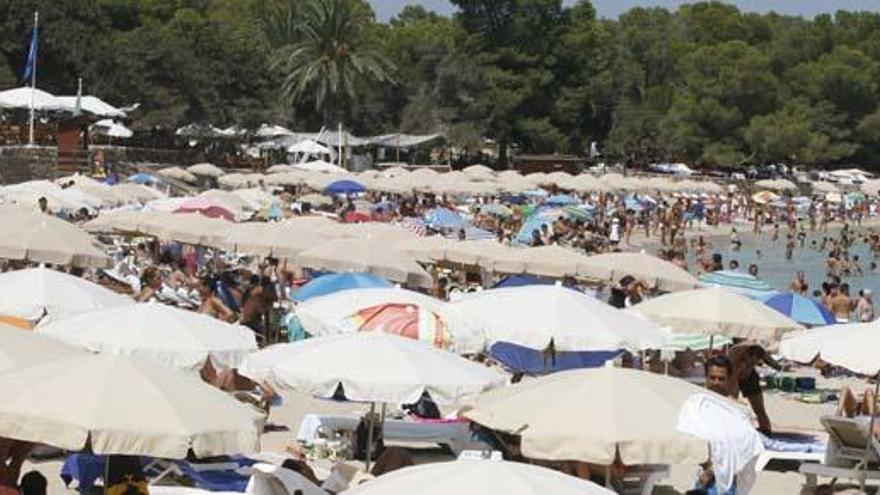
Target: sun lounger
x,y
640,480
790,447
845,457
454,434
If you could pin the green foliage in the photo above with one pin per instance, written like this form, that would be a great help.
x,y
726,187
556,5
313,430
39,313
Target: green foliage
x,y
707,84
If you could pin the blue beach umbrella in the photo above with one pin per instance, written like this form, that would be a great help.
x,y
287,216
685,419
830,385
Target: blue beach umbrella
x,y
335,282
344,187
143,178
800,309
444,218
561,200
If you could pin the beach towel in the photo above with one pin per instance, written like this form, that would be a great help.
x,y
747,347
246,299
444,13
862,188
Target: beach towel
x,y
735,444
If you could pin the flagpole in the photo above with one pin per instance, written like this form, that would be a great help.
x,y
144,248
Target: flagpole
x,y
33,83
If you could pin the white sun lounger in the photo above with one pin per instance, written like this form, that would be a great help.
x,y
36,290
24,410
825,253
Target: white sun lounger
x,y
456,435
845,457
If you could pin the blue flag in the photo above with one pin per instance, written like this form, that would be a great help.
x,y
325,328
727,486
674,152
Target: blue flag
x,y
31,65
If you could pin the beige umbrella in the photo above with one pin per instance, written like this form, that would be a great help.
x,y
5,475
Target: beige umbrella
x,y
136,192
240,181
177,173
121,406
21,349
486,254
117,222
426,249
776,184
206,169
478,171
716,310
191,228
596,415
295,178
281,169
659,274
279,240
559,178
544,261
41,238
365,255
825,187
478,477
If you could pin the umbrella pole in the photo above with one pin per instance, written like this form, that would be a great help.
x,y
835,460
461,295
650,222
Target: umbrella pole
x,y
370,425
870,443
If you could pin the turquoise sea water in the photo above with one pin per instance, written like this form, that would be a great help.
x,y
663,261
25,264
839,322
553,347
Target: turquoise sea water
x,y
779,272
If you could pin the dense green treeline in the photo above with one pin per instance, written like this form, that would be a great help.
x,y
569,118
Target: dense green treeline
x,y
707,84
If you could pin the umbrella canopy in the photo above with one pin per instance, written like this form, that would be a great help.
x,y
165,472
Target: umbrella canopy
x,y
93,105
117,405
338,313
659,274
20,98
178,174
167,335
29,293
545,261
741,283
405,320
208,207
365,255
614,399
478,477
281,169
335,282
370,367
143,178
137,193
117,221
191,228
36,237
309,147
852,346
206,169
109,128
444,218
718,310
320,166
21,349
344,187
279,240
537,315
801,309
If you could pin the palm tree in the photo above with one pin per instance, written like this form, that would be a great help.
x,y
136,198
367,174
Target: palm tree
x,y
329,57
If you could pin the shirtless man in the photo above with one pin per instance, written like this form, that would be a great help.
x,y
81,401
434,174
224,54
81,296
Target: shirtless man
x,y
799,285
840,304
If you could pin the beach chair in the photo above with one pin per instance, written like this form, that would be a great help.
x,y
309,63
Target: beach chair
x,y
845,456
790,447
640,480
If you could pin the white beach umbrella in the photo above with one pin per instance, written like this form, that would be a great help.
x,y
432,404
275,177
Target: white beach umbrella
x,y
279,240
543,261
331,314
172,337
206,169
109,128
716,310
658,273
93,105
29,293
20,98
370,367
191,228
42,238
21,349
536,316
309,147
281,169
635,416
320,166
365,255
121,406
178,174
137,192
478,477
854,346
